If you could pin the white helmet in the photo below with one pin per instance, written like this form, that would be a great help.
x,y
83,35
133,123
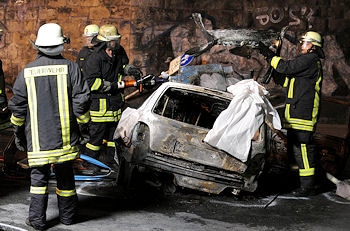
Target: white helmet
x,y
91,30
49,34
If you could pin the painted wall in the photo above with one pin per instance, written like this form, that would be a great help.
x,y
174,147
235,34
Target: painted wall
x,y
147,26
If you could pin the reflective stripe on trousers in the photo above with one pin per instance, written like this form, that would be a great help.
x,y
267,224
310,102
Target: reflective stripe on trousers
x,y
301,144
66,194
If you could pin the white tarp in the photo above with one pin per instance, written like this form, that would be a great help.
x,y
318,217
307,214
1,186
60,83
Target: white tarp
x,y
235,126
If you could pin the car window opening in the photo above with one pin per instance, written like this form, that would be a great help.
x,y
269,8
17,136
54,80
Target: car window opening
x,y
189,107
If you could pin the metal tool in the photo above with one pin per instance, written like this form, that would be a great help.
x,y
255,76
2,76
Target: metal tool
x,y
343,187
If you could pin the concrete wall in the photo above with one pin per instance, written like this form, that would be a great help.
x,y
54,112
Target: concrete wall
x,y
146,25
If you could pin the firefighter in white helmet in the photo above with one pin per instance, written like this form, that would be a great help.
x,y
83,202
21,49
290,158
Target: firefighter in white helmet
x,y
89,32
303,80
104,72
49,108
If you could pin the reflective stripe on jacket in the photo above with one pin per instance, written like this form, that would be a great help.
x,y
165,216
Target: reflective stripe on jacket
x,y
50,98
303,83
105,106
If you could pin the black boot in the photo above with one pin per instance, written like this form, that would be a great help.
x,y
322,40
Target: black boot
x,y
67,207
307,187
36,227
37,211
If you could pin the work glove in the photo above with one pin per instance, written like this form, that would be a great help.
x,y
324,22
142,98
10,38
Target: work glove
x,y
84,133
265,51
291,39
20,137
131,70
107,86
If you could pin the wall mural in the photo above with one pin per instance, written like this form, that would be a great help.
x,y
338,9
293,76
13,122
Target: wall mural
x,y
336,70
152,39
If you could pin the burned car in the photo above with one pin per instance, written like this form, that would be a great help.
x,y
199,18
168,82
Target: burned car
x,y
163,140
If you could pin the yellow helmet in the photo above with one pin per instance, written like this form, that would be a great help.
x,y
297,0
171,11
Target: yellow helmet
x,y
108,33
91,30
313,37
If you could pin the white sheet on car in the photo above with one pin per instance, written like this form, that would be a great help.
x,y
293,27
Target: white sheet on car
x,y
235,126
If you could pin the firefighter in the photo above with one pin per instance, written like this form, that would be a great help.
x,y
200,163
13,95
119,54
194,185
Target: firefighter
x,y
10,164
89,32
4,112
3,99
104,72
49,107
303,84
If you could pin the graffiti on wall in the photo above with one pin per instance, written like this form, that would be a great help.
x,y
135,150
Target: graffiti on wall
x,y
292,16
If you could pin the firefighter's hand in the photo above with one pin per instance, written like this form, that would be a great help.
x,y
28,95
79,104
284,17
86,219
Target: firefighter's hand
x,y
265,51
107,86
112,86
20,144
20,137
131,70
84,133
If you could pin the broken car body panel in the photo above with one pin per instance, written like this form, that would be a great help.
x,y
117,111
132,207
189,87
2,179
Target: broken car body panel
x,y
238,39
168,137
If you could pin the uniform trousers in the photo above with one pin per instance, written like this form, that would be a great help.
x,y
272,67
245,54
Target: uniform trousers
x,y
301,146
65,189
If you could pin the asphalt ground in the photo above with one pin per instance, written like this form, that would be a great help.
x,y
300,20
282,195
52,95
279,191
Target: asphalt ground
x,y
104,206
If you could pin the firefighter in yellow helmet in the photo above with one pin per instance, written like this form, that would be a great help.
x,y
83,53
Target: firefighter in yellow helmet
x,y
104,73
303,80
89,32
49,108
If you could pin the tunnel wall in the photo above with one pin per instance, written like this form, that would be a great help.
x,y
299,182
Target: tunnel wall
x,y
147,25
